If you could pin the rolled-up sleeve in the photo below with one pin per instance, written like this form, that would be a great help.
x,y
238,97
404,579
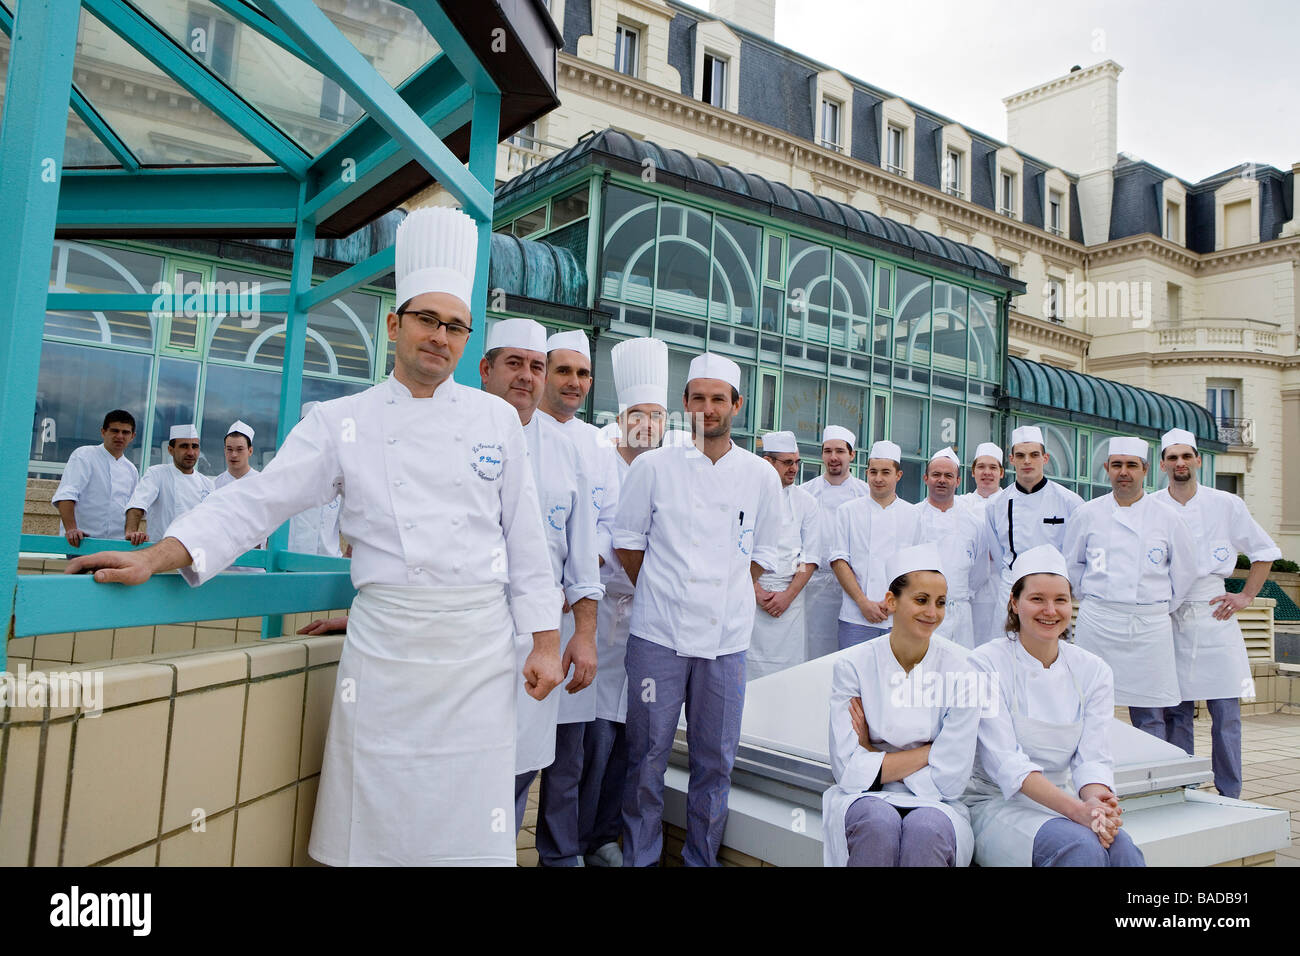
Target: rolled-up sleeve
x,y
635,506
535,601
853,765
999,751
1092,761
305,472
581,567
839,548
1247,536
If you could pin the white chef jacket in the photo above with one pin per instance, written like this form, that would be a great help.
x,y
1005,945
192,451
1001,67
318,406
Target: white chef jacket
x,y
829,498
226,478
962,537
800,540
867,537
700,525
164,493
568,519
316,530
602,480
1222,527
101,485
1022,520
1142,554
436,493
1049,694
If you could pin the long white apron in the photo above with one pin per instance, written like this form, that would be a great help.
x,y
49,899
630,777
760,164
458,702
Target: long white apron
x,y
1211,655
613,623
777,642
822,597
1137,641
837,799
957,623
419,756
1005,829
537,719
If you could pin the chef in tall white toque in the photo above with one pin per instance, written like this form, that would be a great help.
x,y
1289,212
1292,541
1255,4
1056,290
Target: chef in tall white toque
x,y
1209,649
450,560
1132,562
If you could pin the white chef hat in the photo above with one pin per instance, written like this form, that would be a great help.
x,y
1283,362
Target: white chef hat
x,y
574,339
1043,559
306,407
437,249
1178,436
1126,445
780,443
839,433
947,453
919,557
183,431
242,428
989,449
640,372
887,450
517,334
710,365
1027,433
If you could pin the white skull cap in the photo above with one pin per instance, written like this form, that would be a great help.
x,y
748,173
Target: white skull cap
x,y
710,365
780,443
839,433
517,334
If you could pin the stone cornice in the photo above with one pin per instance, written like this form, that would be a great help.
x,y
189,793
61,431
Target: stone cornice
x,y
1148,359
1150,246
1043,90
1026,328
691,115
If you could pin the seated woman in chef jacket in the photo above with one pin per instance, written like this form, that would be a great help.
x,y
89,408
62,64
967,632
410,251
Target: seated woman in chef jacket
x,y
903,724
1042,793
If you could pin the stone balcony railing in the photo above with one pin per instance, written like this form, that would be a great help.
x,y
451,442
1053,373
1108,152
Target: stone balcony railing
x,y
1237,335
514,158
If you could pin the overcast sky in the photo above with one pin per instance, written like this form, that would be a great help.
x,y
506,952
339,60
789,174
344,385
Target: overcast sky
x,y
1206,85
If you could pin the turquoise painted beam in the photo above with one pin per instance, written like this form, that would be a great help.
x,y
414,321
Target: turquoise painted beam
x,y
308,26
134,302
56,544
33,133
363,273
177,200
482,165
170,57
59,603
250,17
441,28
103,132
295,561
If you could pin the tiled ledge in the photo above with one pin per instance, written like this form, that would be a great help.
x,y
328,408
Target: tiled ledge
x,y
207,757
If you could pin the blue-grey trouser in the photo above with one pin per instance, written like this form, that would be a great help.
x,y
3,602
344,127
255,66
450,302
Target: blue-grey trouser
x,y
881,834
1225,739
1062,842
557,802
604,773
851,634
659,683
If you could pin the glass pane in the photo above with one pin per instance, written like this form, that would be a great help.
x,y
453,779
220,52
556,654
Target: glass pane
x,y
255,339
239,394
949,326
774,249
531,222
985,338
78,267
849,408
1059,440
629,244
323,390
945,428
341,333
682,283
771,313
82,147
604,396
183,330
912,330
808,290
68,414
979,429
879,417
803,402
569,208
735,271
767,402
851,301
884,289
907,429
158,119
175,402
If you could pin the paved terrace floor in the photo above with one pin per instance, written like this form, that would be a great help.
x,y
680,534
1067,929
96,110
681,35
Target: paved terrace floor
x,y
1270,756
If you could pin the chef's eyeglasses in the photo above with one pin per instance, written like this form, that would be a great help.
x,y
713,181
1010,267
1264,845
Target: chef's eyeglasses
x,y
431,322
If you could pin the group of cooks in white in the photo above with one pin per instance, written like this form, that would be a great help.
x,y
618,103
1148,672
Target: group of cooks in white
x,y
102,495
539,596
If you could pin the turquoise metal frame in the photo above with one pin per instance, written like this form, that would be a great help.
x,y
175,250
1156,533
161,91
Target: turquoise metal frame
x,y
401,125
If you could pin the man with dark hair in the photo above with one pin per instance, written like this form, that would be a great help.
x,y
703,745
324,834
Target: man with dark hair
x,y
97,483
168,490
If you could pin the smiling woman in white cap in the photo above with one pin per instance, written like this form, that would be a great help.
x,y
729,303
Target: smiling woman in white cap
x,y
1132,562
1209,650
1030,511
779,633
834,487
450,561
1043,788
904,714
169,490
696,527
